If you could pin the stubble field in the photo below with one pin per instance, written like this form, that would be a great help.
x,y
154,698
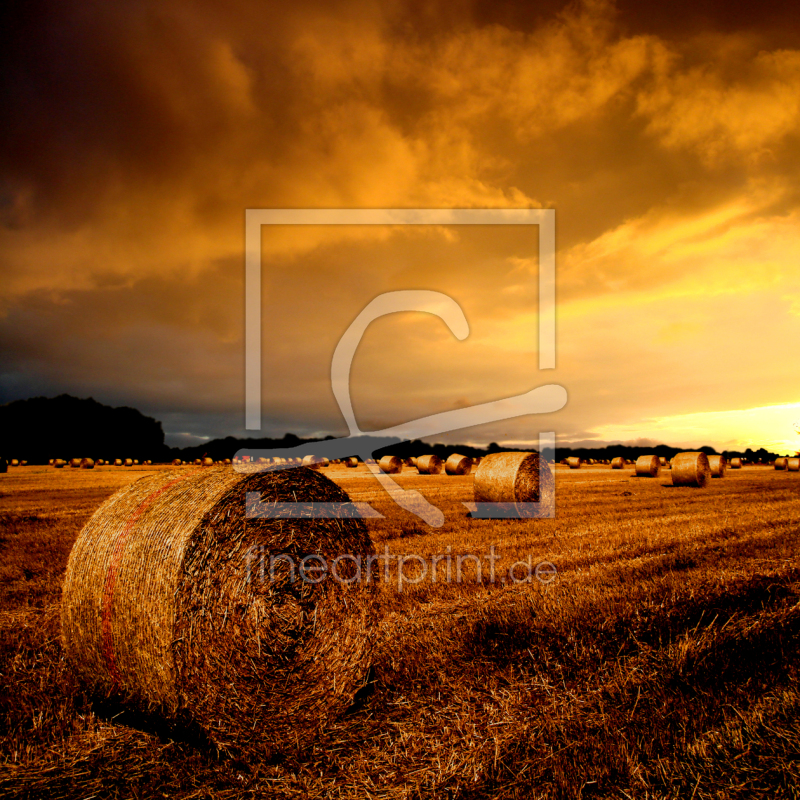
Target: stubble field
x,y
661,660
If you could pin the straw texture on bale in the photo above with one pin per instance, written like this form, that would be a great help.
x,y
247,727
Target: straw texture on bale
x,y
458,465
781,463
574,462
736,463
413,461
87,463
617,463
690,469
648,466
75,463
351,462
793,464
391,465
208,462
166,605
512,478
717,465
429,465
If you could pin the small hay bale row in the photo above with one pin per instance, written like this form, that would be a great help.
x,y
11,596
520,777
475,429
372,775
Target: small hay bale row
x,y
647,467
391,465
458,465
511,478
717,465
736,463
168,605
690,469
429,465
617,463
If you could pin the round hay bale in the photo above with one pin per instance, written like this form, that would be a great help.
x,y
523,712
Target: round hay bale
x,y
717,465
59,463
662,461
312,462
391,465
207,462
87,463
50,462
128,462
793,464
14,462
23,463
176,462
690,469
117,462
477,461
351,462
136,462
617,463
430,465
413,461
574,463
736,463
647,467
75,463
512,478
174,600
458,465
781,463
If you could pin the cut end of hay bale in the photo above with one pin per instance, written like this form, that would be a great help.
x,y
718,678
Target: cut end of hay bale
x,y
717,465
793,464
736,463
514,478
781,463
391,465
647,467
690,469
174,599
458,465
429,465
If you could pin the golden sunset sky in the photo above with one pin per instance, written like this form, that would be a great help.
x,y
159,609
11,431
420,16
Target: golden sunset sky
x,y
666,138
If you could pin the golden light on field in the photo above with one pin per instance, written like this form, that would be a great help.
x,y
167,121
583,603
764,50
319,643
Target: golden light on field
x,y
666,141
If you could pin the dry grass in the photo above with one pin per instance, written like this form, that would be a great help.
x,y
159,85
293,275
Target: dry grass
x,y
662,663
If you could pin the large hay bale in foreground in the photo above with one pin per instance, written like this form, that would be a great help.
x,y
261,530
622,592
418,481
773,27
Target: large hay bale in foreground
x,y
717,465
736,463
617,463
793,464
781,463
174,600
429,465
512,478
351,462
458,465
690,469
574,462
648,467
87,463
391,465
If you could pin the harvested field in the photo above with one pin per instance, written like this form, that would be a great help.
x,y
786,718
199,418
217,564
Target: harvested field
x,y
660,661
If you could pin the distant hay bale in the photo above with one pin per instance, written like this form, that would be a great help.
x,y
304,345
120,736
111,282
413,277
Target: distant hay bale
x,y
458,465
313,462
477,461
617,463
736,463
207,462
198,462
511,478
99,462
176,462
227,461
793,464
781,463
647,467
148,462
136,462
128,462
391,465
59,463
351,462
429,465
23,463
662,461
717,465
690,469
75,463
117,462
413,461
14,462
50,462
574,462
174,601
87,463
